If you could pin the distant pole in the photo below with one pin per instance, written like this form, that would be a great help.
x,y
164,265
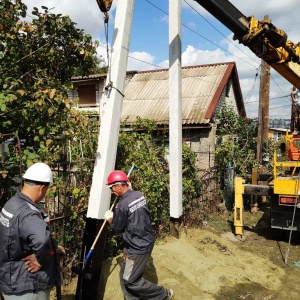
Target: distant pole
x,y
263,111
175,109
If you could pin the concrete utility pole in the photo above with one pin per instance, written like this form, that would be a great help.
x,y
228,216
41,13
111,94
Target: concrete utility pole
x,y
175,109
112,108
263,111
99,199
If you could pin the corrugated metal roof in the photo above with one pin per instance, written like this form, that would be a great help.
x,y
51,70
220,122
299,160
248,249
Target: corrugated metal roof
x,y
147,93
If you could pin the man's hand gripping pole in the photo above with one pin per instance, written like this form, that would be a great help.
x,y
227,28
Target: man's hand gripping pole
x,y
104,223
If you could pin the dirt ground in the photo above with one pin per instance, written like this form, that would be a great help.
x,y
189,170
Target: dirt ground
x,y
212,263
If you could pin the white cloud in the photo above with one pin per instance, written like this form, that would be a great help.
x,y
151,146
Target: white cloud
x,y
193,56
140,61
86,13
164,19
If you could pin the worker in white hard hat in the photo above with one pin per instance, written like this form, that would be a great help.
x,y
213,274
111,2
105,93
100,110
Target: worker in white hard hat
x,y
29,267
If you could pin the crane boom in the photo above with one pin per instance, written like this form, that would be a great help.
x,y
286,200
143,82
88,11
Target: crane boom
x,y
263,38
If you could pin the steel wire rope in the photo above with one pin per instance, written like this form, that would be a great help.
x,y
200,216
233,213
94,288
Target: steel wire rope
x,y
109,84
107,49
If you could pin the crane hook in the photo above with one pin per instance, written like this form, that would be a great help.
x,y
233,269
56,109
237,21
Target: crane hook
x,y
104,6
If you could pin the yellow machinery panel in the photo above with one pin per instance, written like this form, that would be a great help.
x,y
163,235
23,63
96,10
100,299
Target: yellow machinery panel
x,y
239,206
286,186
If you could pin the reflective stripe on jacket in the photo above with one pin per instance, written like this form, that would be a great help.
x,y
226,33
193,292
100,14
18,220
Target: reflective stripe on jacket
x,y
132,218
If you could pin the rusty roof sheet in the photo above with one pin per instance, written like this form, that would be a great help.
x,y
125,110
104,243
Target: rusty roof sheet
x,y
92,76
147,93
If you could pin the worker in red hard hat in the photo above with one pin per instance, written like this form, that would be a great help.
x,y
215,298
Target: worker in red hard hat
x,y
116,176
131,217
29,268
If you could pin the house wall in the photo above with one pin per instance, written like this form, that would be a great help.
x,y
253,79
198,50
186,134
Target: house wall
x,y
227,98
98,84
203,142
276,134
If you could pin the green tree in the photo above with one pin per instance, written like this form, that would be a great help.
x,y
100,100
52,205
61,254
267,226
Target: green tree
x,y
236,142
38,60
99,66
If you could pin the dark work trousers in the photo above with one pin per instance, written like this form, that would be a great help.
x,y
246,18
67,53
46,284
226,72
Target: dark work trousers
x,y
295,120
134,286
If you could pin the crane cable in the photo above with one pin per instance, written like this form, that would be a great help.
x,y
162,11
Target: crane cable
x,y
104,6
107,48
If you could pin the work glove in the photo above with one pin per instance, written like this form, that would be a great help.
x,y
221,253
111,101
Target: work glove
x,y
31,263
108,215
60,250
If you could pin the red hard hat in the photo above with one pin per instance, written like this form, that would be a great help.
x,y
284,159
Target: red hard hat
x,y
116,176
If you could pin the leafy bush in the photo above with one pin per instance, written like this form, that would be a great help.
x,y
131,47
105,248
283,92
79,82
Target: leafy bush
x,y
147,148
236,142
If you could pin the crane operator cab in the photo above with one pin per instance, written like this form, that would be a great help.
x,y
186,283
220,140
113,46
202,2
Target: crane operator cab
x,y
294,148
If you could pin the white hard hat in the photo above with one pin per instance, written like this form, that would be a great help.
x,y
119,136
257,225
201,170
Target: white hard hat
x,y
39,172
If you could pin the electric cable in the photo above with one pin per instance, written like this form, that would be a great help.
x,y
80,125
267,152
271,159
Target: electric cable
x,y
251,90
218,30
205,37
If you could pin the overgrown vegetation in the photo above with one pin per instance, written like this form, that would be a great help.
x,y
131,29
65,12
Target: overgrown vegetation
x,y
38,120
236,142
38,60
146,147
40,123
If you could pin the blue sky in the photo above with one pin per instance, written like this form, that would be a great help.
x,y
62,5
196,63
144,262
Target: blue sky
x,y
204,39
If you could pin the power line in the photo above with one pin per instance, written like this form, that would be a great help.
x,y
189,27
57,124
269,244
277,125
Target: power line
x,y
204,36
134,58
276,84
275,98
251,91
218,31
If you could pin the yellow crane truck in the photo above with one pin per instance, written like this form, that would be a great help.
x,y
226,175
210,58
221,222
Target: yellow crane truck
x,y
271,44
